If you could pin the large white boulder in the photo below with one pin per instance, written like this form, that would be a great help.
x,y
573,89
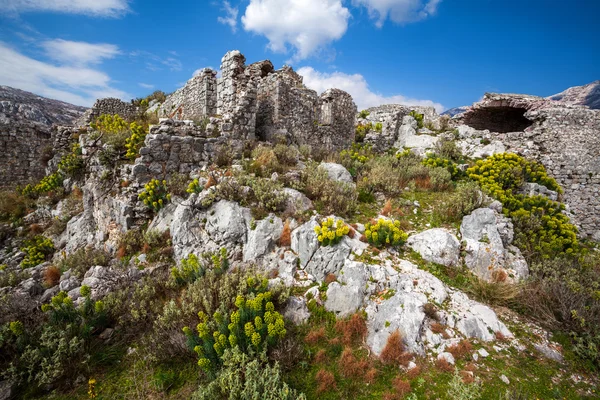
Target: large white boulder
x,y
436,245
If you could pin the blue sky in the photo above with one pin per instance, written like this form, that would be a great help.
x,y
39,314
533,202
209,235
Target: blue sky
x,y
444,53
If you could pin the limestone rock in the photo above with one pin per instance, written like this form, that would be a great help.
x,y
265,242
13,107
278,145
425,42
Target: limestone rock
x,y
337,172
227,221
296,310
346,298
296,202
436,245
263,237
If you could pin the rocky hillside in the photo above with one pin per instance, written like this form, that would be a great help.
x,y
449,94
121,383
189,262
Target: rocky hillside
x,y
20,106
416,258
585,95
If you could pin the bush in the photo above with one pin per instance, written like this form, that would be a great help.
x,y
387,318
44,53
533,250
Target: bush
x,y
394,351
440,179
541,229
363,114
385,233
329,196
60,347
155,195
434,161
418,117
195,187
361,132
81,260
328,236
269,196
36,250
135,141
353,159
192,267
109,124
252,328
14,206
247,378
286,155
464,200
447,149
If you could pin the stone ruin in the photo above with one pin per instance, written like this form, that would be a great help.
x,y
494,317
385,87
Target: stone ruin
x,y
259,102
564,138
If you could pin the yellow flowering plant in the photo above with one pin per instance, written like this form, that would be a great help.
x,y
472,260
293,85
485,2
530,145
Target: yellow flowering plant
x,y
385,232
331,231
135,141
251,326
155,195
36,251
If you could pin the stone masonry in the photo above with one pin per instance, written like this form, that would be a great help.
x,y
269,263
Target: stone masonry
x,y
259,102
564,138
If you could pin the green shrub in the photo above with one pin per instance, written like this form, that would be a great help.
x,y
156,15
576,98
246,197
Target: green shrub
x,y
14,205
446,148
110,124
330,232
418,117
192,267
12,278
82,259
252,327
435,161
378,127
36,250
354,159
385,233
361,132
135,141
247,378
541,229
464,200
155,194
72,163
286,155
363,114
61,346
440,179
195,187
329,197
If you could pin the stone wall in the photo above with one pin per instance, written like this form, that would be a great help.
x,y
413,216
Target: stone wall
x,y
197,99
23,147
565,139
259,102
174,147
111,106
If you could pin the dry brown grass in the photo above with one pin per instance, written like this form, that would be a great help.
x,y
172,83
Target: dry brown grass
x,y
51,276
430,310
423,183
350,366
394,351
387,208
402,386
330,278
499,275
436,327
36,229
353,329
500,336
211,182
351,233
444,365
363,238
371,375
286,235
316,336
121,252
467,376
413,372
325,381
461,349
321,357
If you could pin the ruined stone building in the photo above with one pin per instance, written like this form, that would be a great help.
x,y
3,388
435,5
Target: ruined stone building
x,y
259,102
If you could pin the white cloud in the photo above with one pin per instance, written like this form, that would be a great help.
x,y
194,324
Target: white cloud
x,y
399,11
146,85
98,8
357,86
231,16
77,84
78,53
305,25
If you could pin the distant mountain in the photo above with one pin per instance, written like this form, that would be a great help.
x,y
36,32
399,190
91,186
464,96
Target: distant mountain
x,y
18,106
455,111
586,95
